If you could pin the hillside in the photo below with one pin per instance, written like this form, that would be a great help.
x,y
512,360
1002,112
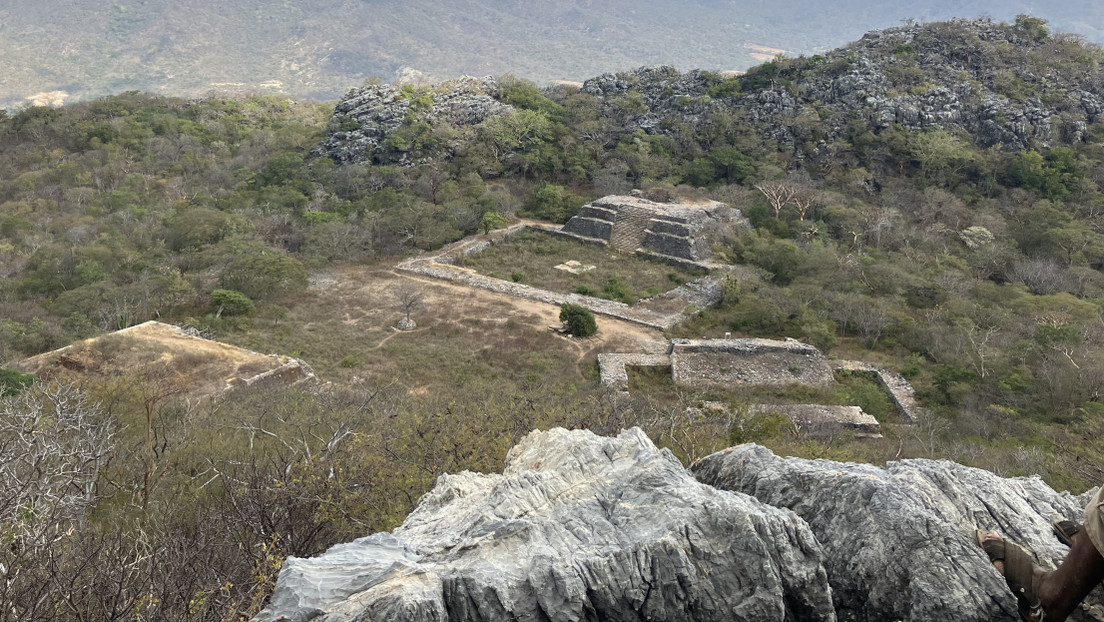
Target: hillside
x,y
81,49
945,225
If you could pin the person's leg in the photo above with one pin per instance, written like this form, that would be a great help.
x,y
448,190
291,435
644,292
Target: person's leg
x,y
1062,590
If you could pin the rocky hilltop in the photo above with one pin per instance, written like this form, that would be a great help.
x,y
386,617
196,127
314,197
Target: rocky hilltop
x,y
1012,86
582,527
384,123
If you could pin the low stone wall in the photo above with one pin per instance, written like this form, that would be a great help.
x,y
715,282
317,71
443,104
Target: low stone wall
x,y
613,368
728,362
820,420
290,373
699,294
900,390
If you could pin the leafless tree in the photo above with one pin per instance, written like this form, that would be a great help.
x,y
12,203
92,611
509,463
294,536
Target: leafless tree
x,y
409,297
53,445
778,193
804,199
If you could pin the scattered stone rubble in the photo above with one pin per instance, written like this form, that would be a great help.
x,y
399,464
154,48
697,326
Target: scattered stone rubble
x,y
582,527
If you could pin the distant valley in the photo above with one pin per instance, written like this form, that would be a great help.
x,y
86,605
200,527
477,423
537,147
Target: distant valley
x,y
66,50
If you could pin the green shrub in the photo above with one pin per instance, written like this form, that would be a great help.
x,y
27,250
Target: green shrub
x,y
578,320
231,302
13,382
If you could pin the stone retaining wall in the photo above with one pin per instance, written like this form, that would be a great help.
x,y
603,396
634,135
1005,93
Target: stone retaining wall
x,y
728,362
820,420
699,294
900,391
613,368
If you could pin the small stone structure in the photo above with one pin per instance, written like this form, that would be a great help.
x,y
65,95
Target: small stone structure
x,y
635,224
661,311
899,389
613,368
723,363
819,418
729,362
153,349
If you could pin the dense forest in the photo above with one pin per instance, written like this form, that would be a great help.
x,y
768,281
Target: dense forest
x,y
972,267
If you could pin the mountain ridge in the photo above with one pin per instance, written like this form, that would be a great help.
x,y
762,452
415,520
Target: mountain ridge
x,y
320,49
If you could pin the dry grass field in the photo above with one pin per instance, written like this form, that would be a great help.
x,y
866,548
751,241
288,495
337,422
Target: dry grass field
x,y
157,352
344,326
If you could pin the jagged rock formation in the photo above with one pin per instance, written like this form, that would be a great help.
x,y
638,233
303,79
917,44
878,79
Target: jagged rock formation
x,y
1007,85
367,117
899,540
633,223
578,527
1000,83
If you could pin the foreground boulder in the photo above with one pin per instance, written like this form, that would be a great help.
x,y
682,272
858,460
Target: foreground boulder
x,y
578,527
899,540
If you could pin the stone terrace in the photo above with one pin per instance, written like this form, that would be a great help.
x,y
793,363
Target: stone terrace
x,y
652,312
635,224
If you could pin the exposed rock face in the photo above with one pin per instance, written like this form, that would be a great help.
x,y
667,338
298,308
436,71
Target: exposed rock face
x,y
989,79
899,539
578,527
367,117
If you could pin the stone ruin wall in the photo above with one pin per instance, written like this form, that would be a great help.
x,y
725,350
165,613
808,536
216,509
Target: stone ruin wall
x,y
734,362
634,224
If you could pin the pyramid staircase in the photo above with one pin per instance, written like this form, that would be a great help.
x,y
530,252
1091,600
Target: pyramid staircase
x,y
630,228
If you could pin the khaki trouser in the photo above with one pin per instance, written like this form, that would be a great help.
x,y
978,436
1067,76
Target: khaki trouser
x,y
1094,520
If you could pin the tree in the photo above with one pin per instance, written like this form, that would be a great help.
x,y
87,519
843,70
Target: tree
x,y
259,271
578,320
12,382
492,220
778,193
409,298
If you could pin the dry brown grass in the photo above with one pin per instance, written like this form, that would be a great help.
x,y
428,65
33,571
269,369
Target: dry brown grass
x,y
154,352
344,326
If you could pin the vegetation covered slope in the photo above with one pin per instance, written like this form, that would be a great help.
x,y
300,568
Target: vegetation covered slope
x,y
318,49
970,265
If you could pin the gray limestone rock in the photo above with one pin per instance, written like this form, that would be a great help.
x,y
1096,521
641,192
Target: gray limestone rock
x,y
578,527
900,540
367,117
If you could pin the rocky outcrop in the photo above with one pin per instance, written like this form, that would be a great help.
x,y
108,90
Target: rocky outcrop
x,y
581,527
1002,84
899,539
578,527
366,118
